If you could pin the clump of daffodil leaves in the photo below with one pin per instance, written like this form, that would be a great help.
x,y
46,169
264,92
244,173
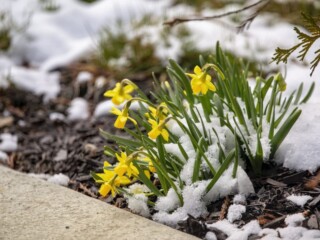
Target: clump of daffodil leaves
x,y
258,117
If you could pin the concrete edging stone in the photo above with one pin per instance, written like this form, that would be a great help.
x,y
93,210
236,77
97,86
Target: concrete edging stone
x,y
34,209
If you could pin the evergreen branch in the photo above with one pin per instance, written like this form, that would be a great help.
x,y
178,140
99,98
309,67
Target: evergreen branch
x,y
311,24
315,61
306,41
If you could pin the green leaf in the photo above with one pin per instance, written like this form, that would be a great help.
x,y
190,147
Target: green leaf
x,y
308,95
119,140
284,130
299,93
146,181
96,177
222,168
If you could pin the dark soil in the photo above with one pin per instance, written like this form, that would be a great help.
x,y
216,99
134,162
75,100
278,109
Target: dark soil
x,y
75,149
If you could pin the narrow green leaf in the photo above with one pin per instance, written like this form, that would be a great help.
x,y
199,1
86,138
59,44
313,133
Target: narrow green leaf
x,y
308,95
119,140
284,130
222,168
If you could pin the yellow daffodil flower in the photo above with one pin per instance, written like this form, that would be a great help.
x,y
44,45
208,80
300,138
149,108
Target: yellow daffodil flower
x,y
120,93
122,118
201,81
150,164
158,128
110,181
125,165
112,185
158,113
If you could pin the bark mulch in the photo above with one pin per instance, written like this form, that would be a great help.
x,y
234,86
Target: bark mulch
x,y
75,149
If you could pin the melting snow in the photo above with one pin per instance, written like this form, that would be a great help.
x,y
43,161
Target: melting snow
x,y
78,110
299,200
8,142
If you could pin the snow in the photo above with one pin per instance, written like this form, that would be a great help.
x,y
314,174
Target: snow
x,y
138,204
235,212
59,179
84,77
3,157
239,199
210,236
300,149
300,200
8,142
36,81
292,233
294,219
169,202
224,226
78,109
55,116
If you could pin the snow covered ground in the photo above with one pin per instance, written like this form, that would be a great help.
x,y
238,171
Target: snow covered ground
x,y
54,39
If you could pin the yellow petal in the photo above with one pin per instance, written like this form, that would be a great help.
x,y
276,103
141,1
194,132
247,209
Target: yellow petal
x,y
109,93
152,122
147,173
204,89
154,133
106,164
123,156
120,122
105,189
196,89
191,75
121,169
165,134
197,70
208,78
127,96
211,86
115,111
123,180
128,89
117,99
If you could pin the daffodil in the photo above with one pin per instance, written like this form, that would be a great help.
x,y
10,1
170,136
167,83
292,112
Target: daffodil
x,y
120,93
112,185
158,128
150,164
125,165
158,113
201,81
122,118
110,181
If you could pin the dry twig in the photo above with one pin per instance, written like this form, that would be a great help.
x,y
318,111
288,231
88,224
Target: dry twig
x,y
245,23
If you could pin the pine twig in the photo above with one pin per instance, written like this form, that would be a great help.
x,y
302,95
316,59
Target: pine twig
x,y
306,41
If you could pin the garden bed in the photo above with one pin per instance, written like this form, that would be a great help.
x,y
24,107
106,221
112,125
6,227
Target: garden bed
x,y
51,146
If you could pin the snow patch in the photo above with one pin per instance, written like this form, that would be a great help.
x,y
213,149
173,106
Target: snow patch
x,y
78,110
235,212
8,142
300,200
84,77
3,157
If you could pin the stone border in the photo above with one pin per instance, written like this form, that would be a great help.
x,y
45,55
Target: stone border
x,y
34,209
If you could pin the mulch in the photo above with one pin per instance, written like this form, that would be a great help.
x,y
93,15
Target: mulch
x,y
76,148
